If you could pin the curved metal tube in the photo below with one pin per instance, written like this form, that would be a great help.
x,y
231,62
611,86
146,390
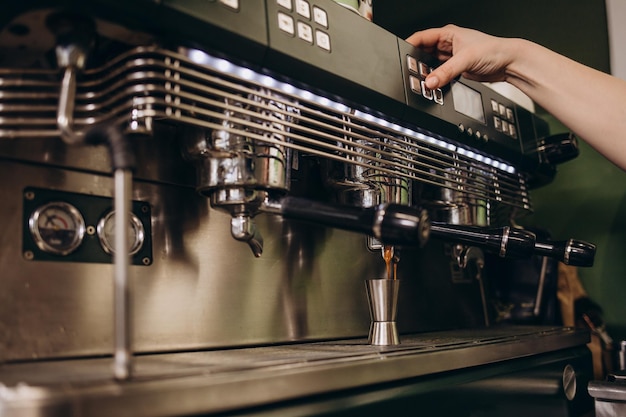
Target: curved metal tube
x,y
65,111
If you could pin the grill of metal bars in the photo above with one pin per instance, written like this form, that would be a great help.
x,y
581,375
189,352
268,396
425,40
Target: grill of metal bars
x,y
150,84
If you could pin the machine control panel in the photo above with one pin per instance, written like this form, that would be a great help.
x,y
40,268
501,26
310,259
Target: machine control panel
x,y
504,118
326,48
72,227
418,71
467,111
297,18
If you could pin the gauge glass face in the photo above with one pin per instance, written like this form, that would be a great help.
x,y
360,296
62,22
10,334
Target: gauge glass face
x,y
57,228
106,233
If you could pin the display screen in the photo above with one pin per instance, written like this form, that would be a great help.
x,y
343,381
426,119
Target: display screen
x,y
468,101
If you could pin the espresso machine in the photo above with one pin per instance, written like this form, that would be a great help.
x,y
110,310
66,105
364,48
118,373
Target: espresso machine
x,y
257,207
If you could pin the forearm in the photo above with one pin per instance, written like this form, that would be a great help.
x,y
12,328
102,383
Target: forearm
x,y
590,103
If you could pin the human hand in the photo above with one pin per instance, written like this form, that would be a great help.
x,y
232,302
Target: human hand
x,y
473,54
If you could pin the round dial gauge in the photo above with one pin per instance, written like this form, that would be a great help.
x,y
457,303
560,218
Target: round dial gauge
x,y
57,227
106,233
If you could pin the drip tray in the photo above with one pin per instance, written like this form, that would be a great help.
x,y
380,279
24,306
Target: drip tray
x,y
230,379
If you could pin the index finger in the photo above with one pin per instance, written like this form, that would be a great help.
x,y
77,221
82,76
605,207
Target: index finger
x,y
428,38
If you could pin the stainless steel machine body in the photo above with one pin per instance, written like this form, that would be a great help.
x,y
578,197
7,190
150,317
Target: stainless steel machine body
x,y
230,107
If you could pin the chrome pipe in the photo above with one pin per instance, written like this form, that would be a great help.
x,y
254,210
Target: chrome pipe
x,y
122,289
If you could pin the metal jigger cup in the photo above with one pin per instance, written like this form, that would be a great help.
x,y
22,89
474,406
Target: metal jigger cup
x,y
382,296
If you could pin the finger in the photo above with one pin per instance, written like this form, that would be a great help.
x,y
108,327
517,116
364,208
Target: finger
x,y
428,38
445,73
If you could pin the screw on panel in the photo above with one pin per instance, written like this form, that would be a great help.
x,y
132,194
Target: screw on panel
x,y
90,230
146,261
29,195
29,255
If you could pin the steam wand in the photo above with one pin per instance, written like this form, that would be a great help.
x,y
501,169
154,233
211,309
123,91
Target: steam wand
x,y
75,36
123,163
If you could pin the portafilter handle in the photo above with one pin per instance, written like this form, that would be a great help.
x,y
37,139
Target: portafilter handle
x,y
559,148
505,241
392,224
570,252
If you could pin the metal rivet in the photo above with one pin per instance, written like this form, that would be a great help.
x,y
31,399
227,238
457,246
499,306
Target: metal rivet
x,y
146,261
29,255
29,195
90,230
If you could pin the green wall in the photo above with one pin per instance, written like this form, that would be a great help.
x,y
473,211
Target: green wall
x,y
588,201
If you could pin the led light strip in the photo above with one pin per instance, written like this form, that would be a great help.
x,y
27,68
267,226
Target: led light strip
x,y
222,65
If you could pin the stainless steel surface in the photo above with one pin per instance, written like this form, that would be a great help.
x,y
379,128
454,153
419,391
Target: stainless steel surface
x,y
218,381
609,396
123,292
382,296
199,325
189,89
203,290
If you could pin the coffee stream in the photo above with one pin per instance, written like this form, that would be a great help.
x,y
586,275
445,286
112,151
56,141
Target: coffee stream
x,y
388,257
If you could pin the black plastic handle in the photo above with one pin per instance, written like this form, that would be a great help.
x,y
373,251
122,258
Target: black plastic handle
x,y
505,241
570,252
559,148
392,224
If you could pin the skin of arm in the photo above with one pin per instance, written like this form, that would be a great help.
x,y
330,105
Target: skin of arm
x,y
589,102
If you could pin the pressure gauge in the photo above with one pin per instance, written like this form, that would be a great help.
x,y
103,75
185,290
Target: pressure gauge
x,y
57,227
106,233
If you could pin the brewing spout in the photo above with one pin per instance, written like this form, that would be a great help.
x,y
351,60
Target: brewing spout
x,y
243,229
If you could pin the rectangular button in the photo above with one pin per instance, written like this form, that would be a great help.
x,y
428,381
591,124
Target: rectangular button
x,y
494,106
320,17
303,8
286,23
509,114
424,69
411,63
284,3
231,4
415,82
438,96
426,92
497,123
305,32
322,39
